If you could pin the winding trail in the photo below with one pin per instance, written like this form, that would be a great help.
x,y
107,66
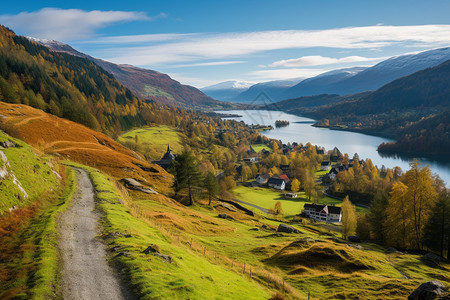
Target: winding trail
x,y
85,271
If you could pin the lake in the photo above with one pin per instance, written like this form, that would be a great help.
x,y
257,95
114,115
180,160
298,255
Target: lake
x,y
301,131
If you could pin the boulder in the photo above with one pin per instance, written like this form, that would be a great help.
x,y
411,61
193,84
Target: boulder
x,y
431,257
7,144
166,258
151,249
225,216
391,250
227,206
427,291
254,229
354,239
287,229
133,184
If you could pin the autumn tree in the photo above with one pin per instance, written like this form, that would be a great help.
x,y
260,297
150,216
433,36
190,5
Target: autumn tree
x,y
278,208
397,224
295,185
348,218
211,185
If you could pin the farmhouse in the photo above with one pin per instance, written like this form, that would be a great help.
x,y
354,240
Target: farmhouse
x,y
166,160
290,195
262,178
324,213
276,183
250,160
325,165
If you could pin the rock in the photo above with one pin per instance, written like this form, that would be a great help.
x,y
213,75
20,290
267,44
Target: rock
x,y
359,247
166,258
254,229
133,184
227,206
427,291
124,253
7,144
354,239
151,249
127,235
225,216
287,229
392,250
431,257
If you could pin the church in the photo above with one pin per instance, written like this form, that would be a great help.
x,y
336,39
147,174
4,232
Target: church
x,y
166,160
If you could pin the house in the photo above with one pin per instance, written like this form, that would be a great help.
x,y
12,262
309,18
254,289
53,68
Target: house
x,y
250,160
334,171
276,183
290,195
284,177
325,165
262,178
320,150
324,213
284,168
166,160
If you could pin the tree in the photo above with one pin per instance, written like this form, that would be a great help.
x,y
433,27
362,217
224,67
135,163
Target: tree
x,y
437,229
211,185
187,175
278,208
397,224
295,185
348,218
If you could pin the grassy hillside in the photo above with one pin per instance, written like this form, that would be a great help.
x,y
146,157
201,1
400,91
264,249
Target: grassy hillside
x,y
155,139
26,175
76,142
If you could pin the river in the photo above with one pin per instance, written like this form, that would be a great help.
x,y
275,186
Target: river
x,y
301,131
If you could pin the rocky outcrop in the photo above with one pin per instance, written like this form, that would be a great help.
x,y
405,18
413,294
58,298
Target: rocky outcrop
x,y
428,291
7,144
6,171
153,249
287,229
225,216
137,186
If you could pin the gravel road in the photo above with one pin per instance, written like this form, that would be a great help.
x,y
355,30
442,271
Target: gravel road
x,y
85,272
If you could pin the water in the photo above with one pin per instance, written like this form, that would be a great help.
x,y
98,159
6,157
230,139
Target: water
x,y
301,131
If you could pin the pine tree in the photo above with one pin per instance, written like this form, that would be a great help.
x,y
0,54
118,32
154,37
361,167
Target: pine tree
x,y
437,229
211,185
348,218
187,175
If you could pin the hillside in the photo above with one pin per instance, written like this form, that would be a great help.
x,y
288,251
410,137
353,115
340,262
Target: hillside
x,y
146,84
63,138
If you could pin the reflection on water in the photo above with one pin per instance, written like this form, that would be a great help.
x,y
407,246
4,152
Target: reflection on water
x,y
301,131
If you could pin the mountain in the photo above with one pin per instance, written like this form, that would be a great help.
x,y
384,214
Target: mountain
x,y
226,91
147,84
321,84
371,78
265,92
65,85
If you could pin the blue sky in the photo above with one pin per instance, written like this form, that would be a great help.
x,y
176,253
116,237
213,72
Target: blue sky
x,y
206,42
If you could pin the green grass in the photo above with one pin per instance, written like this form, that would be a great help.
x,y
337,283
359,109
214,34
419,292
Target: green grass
x,y
33,172
260,147
189,276
157,138
154,91
31,251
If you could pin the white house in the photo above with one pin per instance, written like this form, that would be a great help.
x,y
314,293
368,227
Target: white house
x,y
250,160
276,183
324,213
262,178
290,195
325,165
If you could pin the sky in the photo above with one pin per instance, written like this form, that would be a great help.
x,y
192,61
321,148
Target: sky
x,y
206,42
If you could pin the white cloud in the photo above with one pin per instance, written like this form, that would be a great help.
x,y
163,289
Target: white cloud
x,y
210,46
317,60
208,64
281,74
68,24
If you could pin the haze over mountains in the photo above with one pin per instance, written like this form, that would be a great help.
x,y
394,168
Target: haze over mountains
x,y
345,81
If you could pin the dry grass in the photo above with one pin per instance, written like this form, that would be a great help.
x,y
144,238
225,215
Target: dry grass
x,y
75,142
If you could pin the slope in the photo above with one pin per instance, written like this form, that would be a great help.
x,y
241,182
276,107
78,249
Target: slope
x,y
76,142
145,83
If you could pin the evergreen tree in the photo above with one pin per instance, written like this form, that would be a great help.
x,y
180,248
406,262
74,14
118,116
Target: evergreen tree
x,y
211,185
437,229
187,175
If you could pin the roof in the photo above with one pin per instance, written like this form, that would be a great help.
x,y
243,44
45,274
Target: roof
x,y
276,181
168,154
264,176
284,176
325,163
328,209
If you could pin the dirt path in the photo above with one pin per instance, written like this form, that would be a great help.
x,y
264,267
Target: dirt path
x,y
85,272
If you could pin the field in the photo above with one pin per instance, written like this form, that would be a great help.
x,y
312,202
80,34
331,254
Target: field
x,y
266,198
157,138
260,147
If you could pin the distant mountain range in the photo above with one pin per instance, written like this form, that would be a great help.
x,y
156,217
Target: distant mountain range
x,y
343,81
147,84
226,91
